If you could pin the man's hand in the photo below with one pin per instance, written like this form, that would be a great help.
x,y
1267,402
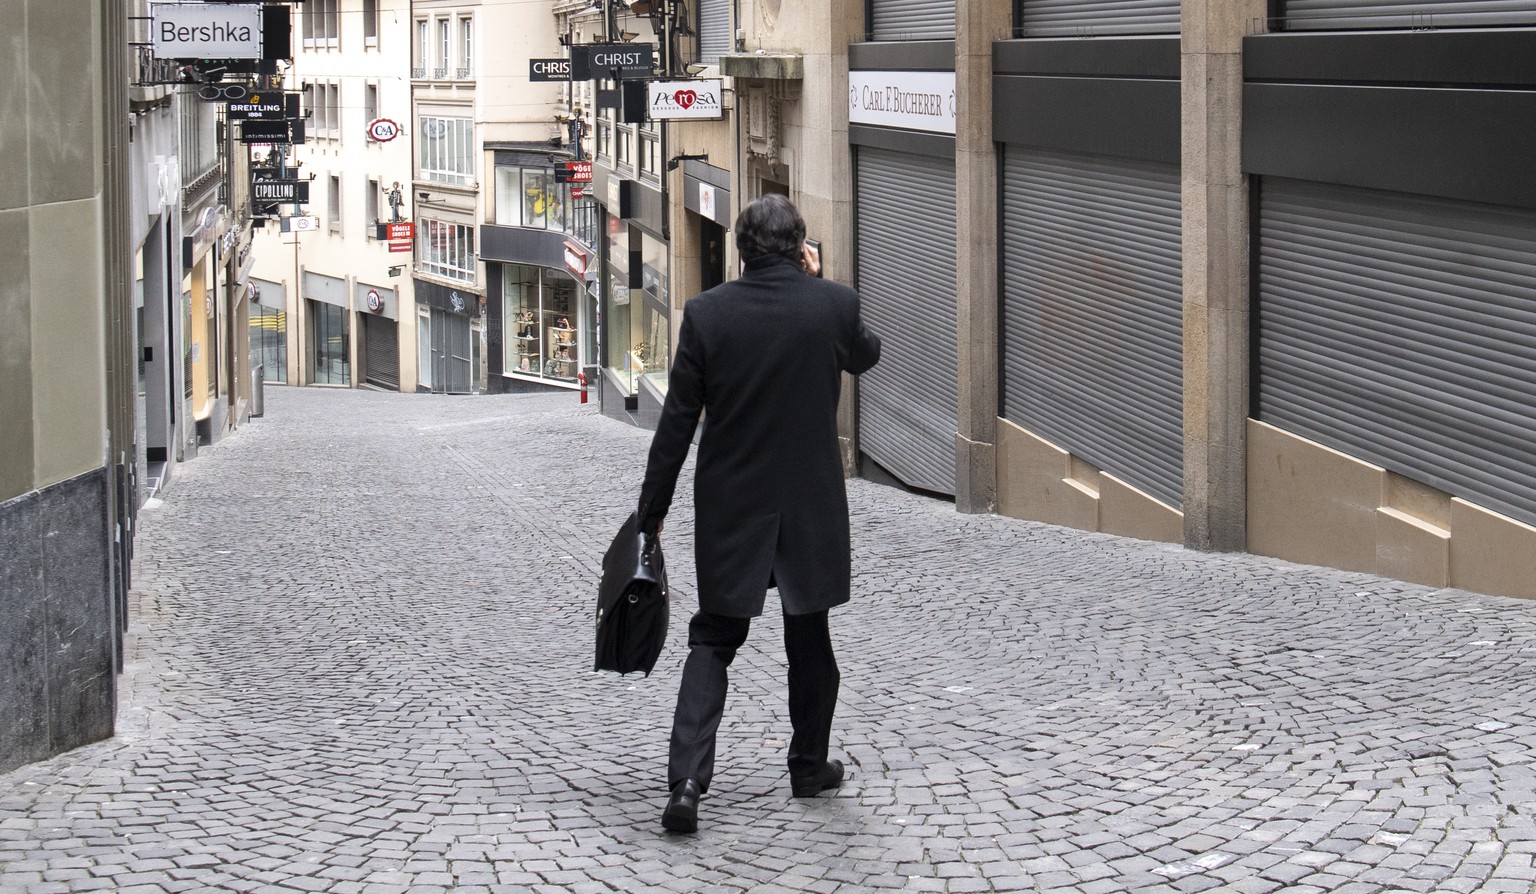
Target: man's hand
x,y
810,260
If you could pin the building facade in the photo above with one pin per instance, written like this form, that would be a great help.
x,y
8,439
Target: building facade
x,y
1160,269
333,304
68,447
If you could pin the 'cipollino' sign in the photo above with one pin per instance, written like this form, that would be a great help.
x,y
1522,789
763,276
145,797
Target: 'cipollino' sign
x,y
914,100
207,30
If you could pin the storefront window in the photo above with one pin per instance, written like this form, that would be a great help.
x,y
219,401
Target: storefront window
x,y
328,323
530,197
638,322
541,323
269,342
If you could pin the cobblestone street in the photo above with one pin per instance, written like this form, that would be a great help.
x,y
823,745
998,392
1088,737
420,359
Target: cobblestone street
x,y
359,661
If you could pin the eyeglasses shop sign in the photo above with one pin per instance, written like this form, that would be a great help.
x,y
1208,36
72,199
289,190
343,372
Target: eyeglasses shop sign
x,y
207,30
671,100
913,100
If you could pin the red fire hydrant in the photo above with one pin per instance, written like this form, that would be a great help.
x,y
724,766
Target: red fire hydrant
x,y
581,379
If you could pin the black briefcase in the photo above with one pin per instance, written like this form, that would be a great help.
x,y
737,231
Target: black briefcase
x,y
631,603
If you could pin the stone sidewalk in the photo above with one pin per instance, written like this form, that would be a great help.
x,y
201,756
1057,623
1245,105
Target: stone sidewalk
x,y
360,662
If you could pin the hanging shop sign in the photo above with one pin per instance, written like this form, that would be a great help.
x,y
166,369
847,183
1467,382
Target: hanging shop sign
x,y
540,70
281,192
207,30
576,259
612,61
382,130
301,223
574,172
375,301
691,100
394,232
263,107
912,100
265,132
400,246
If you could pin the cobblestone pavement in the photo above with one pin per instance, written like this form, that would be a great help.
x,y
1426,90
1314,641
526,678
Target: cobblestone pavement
x,y
360,661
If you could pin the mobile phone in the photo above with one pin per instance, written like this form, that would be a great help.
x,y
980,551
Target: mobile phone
x,y
817,246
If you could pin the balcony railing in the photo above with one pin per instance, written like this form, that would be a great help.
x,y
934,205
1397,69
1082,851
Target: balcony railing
x,y
439,74
462,74
418,73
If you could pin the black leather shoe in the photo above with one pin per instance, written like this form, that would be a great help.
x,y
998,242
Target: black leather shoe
x,y
682,813
831,776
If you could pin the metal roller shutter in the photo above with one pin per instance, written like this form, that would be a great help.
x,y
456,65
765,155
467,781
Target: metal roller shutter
x,y
909,403
381,342
1092,326
1092,18
912,19
1402,331
1320,15
714,30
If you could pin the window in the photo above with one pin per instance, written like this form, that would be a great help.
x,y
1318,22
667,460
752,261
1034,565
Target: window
x,y
447,149
371,206
650,153
370,23
440,69
604,137
624,146
530,197
333,96
466,46
422,48
333,204
371,101
447,250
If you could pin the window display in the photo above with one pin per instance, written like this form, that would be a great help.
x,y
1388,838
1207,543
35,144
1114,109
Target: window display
x,y
639,328
542,340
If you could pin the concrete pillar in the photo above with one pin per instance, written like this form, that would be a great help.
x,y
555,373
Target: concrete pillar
x,y
1216,274
977,25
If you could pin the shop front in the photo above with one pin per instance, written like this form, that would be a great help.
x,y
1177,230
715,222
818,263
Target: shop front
x,y
269,330
378,313
904,208
542,275
447,337
328,319
637,319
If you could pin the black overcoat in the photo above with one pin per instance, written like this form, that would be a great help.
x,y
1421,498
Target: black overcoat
x,y
762,358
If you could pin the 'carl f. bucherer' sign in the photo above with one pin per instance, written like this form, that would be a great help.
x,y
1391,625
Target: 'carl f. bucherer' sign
x,y
207,30
912,100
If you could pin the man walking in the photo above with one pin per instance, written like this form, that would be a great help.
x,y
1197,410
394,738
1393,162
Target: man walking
x,y
761,358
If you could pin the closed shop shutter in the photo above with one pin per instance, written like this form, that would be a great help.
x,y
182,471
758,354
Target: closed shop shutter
x,y
714,30
1092,318
1318,15
381,342
1094,18
1402,331
912,19
909,402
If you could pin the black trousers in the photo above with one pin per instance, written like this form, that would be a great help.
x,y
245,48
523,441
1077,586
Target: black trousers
x,y
813,681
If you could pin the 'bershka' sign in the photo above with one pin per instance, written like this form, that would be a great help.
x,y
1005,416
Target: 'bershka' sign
x,y
207,30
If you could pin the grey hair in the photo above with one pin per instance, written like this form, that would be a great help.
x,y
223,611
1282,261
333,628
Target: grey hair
x,y
768,226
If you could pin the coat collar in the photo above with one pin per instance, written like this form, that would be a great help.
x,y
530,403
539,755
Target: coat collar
x,y
768,262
